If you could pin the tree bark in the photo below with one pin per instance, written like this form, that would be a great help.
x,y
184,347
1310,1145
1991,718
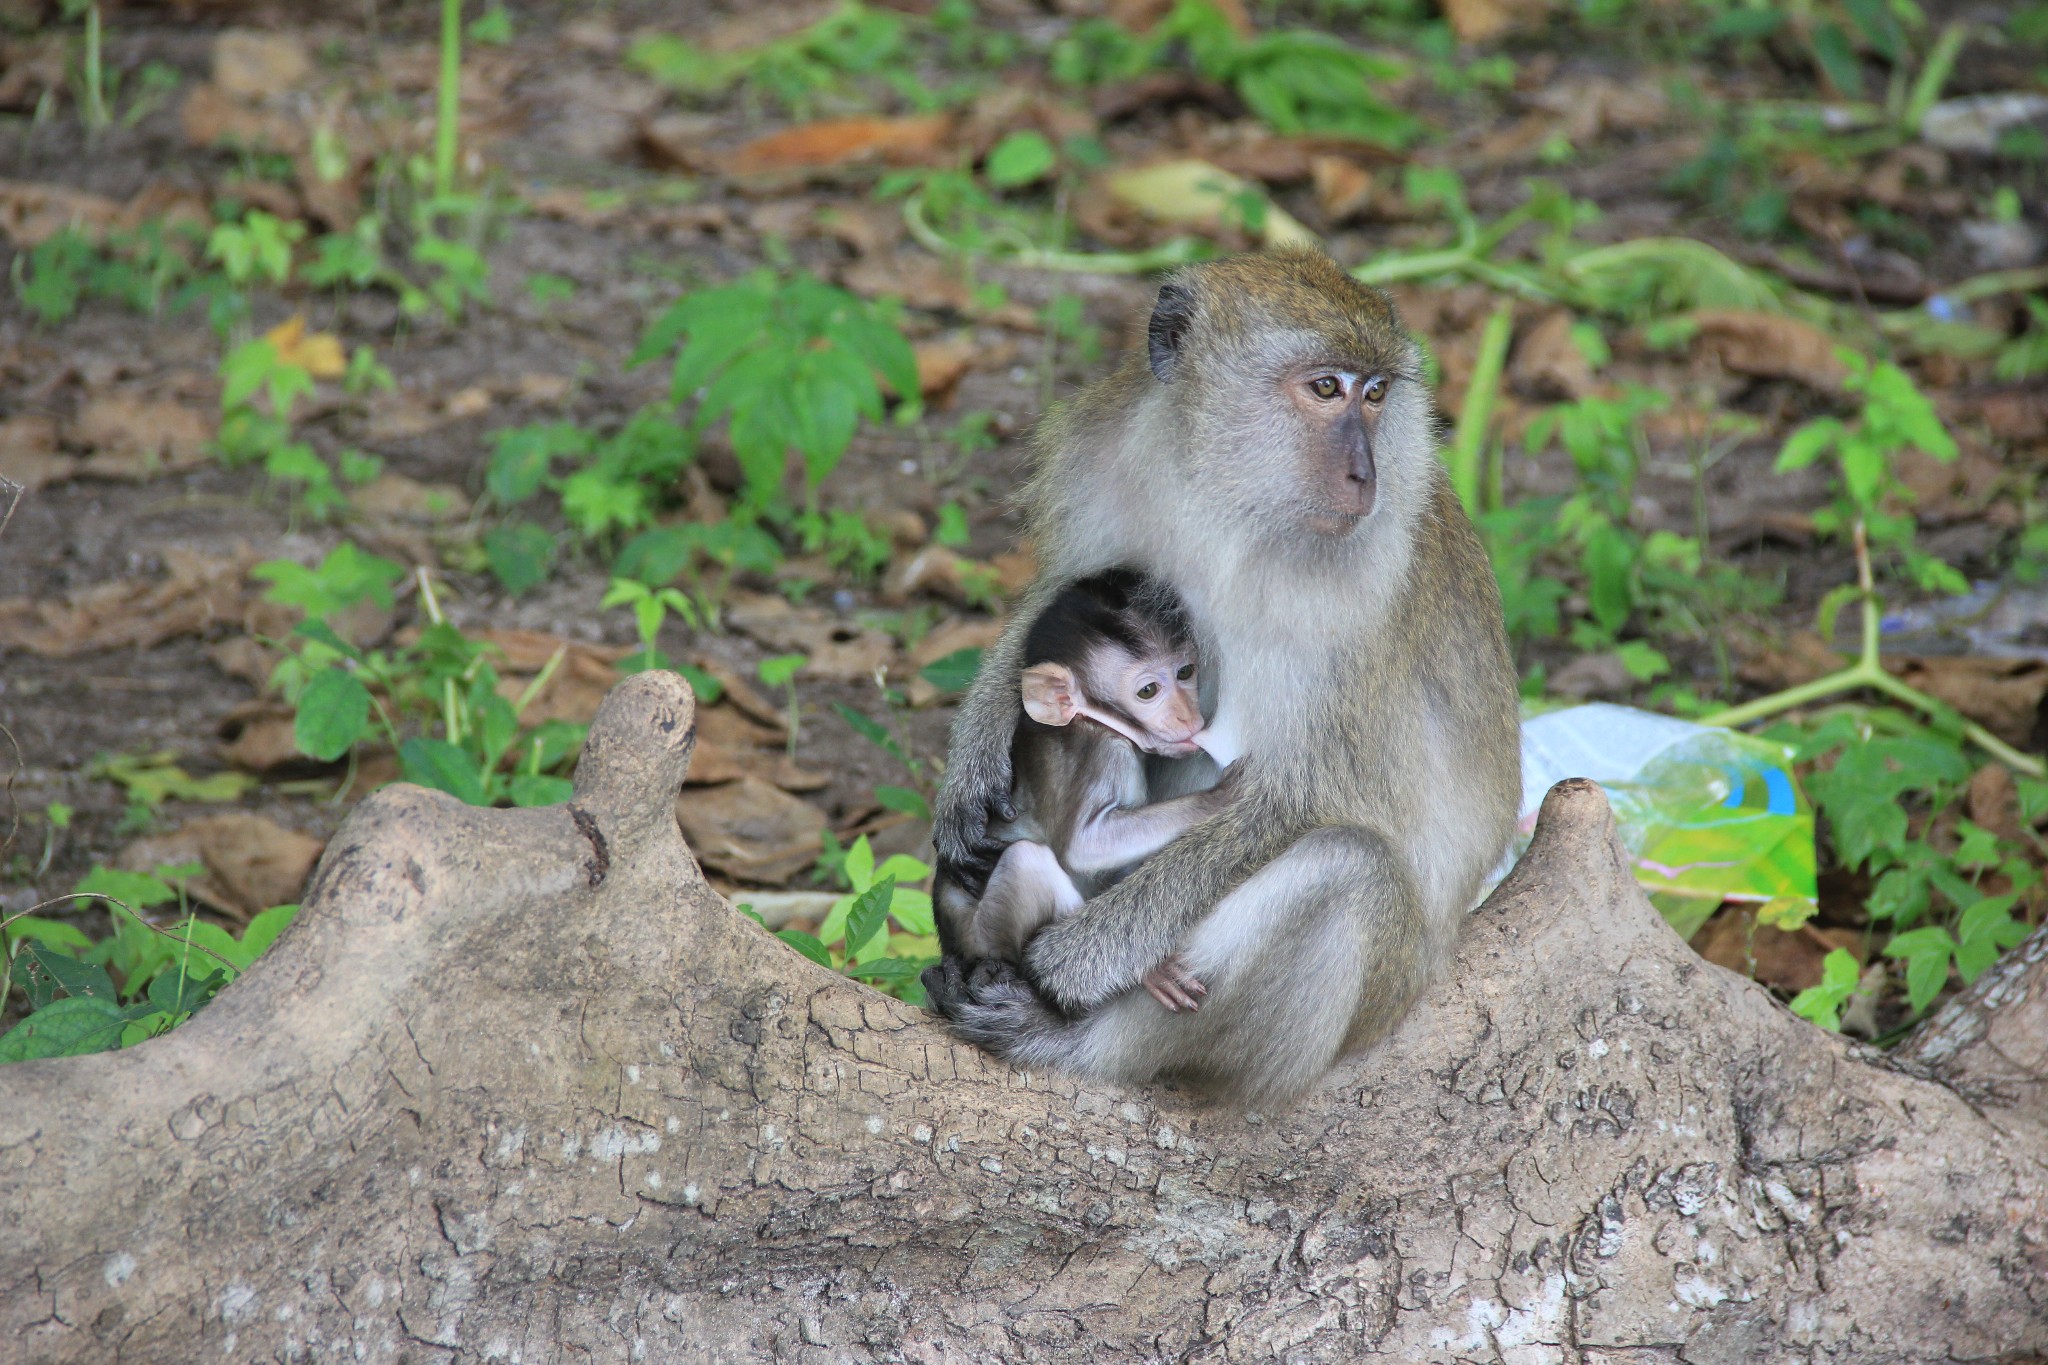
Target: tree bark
x,y
518,1086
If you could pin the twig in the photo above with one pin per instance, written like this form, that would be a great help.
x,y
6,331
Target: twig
x,y
1869,671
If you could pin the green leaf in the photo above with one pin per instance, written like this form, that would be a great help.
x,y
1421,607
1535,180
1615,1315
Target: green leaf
x,y
264,929
954,672
779,669
438,764
70,1027
869,730
64,972
1927,953
520,554
905,800
891,970
1808,444
136,890
529,789
178,993
53,933
1822,1003
1019,159
859,865
807,945
912,911
868,917
334,710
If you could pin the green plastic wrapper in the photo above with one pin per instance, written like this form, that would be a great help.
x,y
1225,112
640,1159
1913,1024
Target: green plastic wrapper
x,y
1707,815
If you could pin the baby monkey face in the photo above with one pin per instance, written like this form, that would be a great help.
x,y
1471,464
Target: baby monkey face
x,y
1156,691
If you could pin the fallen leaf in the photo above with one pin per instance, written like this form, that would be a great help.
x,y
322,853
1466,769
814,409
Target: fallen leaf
x,y
837,649
211,116
943,363
1548,364
726,727
397,497
2002,695
831,143
1993,801
258,737
1343,187
251,863
929,284
1194,193
32,69
29,453
1790,962
31,214
751,830
196,592
2019,414
317,353
258,65
134,437
473,401
1772,346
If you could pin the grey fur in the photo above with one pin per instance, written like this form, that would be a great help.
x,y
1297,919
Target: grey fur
x,y
1364,676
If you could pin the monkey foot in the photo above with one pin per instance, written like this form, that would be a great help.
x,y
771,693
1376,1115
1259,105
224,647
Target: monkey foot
x,y
1174,986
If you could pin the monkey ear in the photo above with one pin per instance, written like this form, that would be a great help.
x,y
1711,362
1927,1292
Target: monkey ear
x,y
1172,316
1049,694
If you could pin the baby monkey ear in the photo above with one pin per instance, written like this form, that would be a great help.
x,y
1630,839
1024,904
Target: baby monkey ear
x,y
1050,695
1172,316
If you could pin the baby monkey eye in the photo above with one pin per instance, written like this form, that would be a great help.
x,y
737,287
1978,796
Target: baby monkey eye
x,y
1326,386
1148,691
1376,389
1186,671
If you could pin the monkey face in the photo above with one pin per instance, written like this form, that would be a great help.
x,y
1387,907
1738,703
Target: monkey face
x,y
1338,409
1155,693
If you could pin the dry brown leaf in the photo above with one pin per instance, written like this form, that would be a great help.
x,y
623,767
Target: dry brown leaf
x,y
1343,187
31,214
1772,346
2002,695
1992,800
2016,414
251,863
196,592
751,830
1548,364
257,736
258,65
837,649
1188,192
1790,961
830,143
729,728
930,285
317,353
211,116
943,363
29,453
30,70
1474,21
397,497
134,437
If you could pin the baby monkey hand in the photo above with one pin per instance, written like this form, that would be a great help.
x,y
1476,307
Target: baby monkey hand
x,y
1173,986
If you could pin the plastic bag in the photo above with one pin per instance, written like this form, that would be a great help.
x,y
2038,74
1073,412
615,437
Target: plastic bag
x,y
1707,815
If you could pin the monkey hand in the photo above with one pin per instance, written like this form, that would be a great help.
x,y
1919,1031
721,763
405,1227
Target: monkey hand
x,y
1076,966
961,817
1174,986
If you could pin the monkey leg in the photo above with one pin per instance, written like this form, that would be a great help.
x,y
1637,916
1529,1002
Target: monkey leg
x,y
1027,891
1314,953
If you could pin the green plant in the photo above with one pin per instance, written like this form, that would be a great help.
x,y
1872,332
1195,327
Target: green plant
x,y
1888,789
343,694
788,365
257,248
790,72
854,937
651,606
75,1004
152,778
780,670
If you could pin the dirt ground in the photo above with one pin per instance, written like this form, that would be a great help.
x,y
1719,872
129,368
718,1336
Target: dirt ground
x,y
633,193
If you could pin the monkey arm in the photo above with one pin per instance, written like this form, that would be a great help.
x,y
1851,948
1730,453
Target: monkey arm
x,y
1111,836
978,771
1108,945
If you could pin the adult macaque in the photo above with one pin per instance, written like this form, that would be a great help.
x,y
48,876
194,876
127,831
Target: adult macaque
x,y
1109,677
1271,457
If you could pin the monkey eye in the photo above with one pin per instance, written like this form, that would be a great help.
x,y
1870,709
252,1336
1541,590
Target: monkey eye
x,y
1148,691
1186,671
1376,389
1326,386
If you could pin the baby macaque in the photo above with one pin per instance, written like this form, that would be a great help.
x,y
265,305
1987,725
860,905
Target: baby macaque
x,y
1109,677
